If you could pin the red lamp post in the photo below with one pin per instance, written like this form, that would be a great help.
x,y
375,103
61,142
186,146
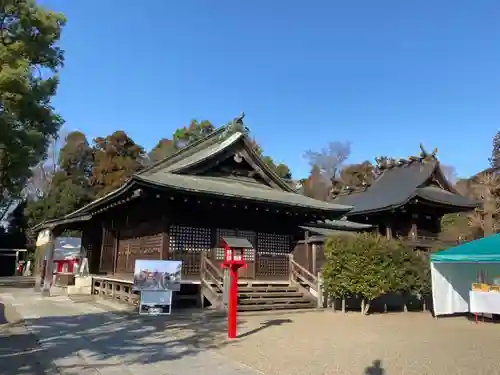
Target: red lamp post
x,y
234,248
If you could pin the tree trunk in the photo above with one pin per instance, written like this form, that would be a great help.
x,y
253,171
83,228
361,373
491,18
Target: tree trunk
x,y
362,306
343,304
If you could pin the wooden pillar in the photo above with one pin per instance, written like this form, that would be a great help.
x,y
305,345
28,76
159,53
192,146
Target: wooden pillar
x,y
116,243
103,239
314,258
310,256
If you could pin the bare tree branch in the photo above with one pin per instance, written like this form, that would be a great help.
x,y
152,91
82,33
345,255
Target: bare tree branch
x,y
330,159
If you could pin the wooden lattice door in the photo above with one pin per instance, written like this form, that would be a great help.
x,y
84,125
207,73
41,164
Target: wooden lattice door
x,y
187,244
273,256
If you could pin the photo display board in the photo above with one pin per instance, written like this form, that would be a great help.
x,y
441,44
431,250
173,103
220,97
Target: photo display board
x,y
163,275
156,280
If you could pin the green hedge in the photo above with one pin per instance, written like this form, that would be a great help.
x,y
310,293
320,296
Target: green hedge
x,y
368,266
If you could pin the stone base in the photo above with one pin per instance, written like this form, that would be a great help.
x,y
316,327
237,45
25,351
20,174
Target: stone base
x,y
64,279
83,285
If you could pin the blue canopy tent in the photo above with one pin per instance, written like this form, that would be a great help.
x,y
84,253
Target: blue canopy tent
x,y
454,270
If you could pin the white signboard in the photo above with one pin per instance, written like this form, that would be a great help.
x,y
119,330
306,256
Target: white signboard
x,y
155,302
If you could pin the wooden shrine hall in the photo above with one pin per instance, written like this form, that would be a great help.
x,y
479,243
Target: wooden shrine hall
x,y
180,207
406,200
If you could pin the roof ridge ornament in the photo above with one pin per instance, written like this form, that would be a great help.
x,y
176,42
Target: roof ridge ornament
x,y
235,126
425,156
384,163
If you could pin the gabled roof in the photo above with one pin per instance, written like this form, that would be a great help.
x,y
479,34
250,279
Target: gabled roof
x,y
396,186
210,147
173,173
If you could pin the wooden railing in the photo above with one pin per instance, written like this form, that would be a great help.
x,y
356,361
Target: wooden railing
x,y
210,273
212,286
115,289
306,280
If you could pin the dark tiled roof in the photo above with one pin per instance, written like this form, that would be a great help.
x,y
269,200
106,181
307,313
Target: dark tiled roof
x,y
167,173
398,185
327,232
208,148
236,189
340,225
438,195
186,152
179,161
203,154
237,242
346,224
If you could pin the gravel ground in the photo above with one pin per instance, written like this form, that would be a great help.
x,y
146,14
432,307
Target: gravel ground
x,y
312,342
335,343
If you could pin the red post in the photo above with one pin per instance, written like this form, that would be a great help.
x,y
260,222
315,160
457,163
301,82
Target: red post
x,y
233,302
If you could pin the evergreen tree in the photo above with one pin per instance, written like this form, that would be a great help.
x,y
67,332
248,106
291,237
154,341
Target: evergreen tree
x,y
29,37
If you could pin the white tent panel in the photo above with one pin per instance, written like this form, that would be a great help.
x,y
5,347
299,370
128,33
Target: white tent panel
x,y
451,283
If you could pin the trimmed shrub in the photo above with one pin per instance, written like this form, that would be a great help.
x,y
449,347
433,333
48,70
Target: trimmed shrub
x,y
368,266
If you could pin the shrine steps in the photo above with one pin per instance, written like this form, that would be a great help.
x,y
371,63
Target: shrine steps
x,y
262,296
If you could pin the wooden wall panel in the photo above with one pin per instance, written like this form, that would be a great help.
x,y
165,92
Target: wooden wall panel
x,y
139,241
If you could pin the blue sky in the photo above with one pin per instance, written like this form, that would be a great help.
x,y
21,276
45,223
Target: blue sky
x,y
384,75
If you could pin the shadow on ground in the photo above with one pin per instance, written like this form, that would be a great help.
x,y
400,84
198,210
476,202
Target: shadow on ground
x,y
3,319
264,325
375,368
107,339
